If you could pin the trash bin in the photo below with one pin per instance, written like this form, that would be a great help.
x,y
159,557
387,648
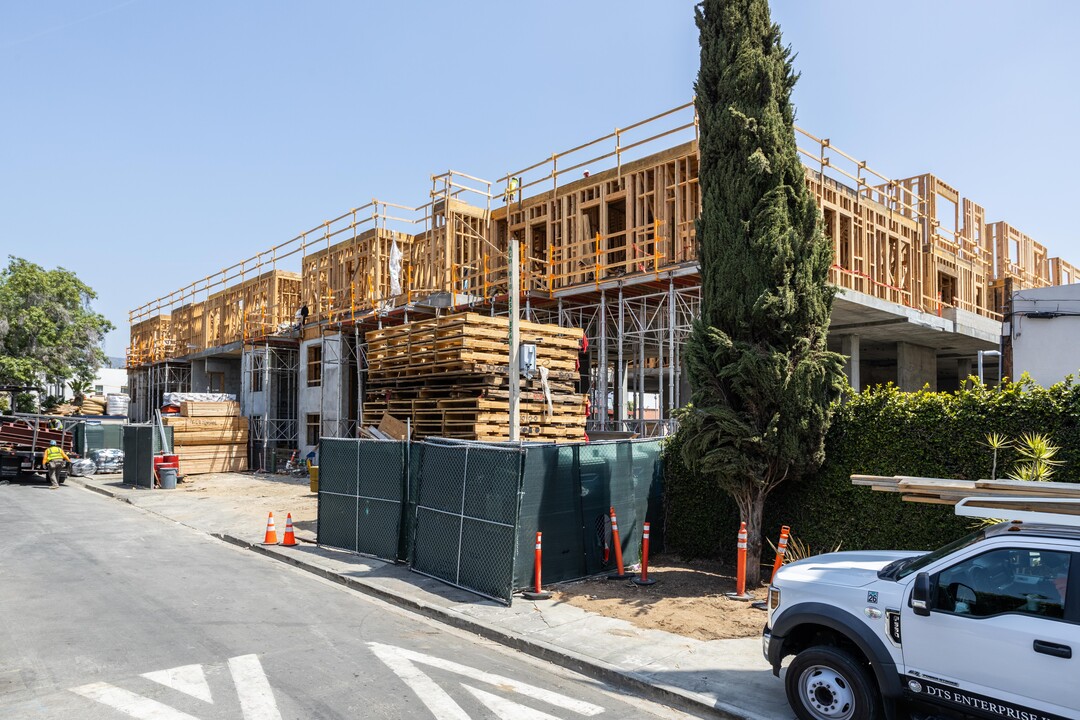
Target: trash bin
x,y
168,477
313,477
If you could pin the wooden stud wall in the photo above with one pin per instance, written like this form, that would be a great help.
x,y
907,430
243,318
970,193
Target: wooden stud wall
x,y
253,308
151,341
189,328
874,248
353,274
635,220
1019,257
1062,273
455,254
955,257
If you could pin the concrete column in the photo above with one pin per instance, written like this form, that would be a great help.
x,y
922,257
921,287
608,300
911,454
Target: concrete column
x,y
963,370
916,367
332,387
850,348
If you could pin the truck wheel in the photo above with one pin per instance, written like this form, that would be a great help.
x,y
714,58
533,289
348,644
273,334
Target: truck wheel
x,y
827,683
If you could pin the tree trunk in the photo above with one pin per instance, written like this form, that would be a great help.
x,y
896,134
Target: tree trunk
x,y
751,504
753,539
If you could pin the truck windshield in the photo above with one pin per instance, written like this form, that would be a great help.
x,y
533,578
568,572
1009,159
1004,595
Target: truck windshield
x,y
902,568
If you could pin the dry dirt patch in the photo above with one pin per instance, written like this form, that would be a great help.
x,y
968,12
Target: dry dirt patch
x,y
688,599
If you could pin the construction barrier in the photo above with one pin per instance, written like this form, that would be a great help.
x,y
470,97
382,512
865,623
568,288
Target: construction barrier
x,y
271,532
644,579
467,513
537,593
290,537
781,550
740,568
620,573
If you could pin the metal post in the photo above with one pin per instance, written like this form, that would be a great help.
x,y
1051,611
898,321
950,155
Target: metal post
x,y
620,389
660,370
266,401
989,353
641,370
359,381
601,369
515,342
673,405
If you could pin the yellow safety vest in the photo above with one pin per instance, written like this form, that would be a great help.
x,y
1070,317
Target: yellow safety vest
x,y
54,452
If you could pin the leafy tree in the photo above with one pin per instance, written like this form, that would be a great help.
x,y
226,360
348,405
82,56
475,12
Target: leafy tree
x,y
760,372
48,331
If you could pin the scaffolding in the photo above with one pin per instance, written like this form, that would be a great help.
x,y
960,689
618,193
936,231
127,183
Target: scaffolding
x,y
271,373
149,384
635,334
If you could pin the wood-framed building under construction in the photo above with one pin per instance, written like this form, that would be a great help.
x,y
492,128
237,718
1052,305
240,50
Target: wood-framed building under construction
x,y
607,233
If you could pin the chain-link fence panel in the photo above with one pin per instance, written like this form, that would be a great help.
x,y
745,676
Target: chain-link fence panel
x,y
361,488
339,466
381,491
337,519
468,498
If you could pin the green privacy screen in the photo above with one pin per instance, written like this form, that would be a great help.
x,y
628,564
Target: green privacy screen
x,y
467,513
568,491
141,443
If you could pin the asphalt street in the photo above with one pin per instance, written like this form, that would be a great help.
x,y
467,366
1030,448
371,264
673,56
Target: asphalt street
x,y
109,612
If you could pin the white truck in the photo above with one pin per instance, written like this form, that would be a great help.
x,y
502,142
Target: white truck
x,y
985,627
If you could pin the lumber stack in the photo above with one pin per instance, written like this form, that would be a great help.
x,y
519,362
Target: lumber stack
x,y
450,376
940,491
209,437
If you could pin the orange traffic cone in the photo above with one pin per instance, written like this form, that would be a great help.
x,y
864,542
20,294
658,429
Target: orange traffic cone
x,y
271,531
289,539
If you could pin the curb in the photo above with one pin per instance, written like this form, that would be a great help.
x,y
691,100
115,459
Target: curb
x,y
671,696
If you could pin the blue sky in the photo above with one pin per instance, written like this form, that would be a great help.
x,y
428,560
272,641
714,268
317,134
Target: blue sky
x,y
147,144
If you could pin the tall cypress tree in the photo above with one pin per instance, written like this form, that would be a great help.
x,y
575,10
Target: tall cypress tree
x,y
761,374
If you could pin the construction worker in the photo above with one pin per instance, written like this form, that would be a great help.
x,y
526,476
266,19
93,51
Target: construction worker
x,y
56,424
53,460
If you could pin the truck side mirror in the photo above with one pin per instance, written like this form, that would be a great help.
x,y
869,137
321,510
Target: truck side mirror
x,y
920,595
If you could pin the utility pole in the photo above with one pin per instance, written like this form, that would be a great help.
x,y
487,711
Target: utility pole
x,y
515,339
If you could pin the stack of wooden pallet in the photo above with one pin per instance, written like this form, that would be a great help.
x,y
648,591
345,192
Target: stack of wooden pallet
x,y
209,437
940,491
449,376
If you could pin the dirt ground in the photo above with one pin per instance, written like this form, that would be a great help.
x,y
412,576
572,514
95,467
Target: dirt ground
x,y
687,599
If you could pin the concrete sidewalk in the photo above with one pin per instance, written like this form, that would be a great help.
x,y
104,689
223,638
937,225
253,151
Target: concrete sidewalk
x,y
727,678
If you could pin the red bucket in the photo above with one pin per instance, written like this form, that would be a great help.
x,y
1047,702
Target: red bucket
x,y
173,460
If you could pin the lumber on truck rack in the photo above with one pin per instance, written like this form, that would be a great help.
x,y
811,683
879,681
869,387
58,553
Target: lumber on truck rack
x,y
944,491
1056,511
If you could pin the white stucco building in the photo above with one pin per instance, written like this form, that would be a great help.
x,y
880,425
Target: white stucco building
x,y
1044,333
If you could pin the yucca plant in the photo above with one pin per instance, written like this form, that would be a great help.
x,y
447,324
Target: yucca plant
x,y
996,441
798,550
1037,458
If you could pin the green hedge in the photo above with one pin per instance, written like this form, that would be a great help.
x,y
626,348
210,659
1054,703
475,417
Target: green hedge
x,y
882,431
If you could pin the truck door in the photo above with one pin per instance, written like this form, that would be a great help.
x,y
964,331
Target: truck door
x,y
1002,637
